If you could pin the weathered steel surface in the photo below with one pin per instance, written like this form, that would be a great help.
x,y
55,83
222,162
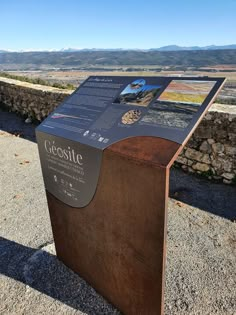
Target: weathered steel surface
x,y
156,151
117,242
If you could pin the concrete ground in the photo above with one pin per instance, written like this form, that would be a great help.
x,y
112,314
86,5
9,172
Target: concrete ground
x,y
201,255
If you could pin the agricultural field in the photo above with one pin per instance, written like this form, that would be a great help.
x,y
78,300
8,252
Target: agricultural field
x,y
76,77
185,91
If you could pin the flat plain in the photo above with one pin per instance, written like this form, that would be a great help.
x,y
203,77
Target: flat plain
x,y
76,77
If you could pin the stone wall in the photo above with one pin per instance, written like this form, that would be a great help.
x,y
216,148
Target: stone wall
x,y
211,151
31,100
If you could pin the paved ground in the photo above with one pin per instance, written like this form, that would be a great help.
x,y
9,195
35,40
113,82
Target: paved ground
x,y
201,257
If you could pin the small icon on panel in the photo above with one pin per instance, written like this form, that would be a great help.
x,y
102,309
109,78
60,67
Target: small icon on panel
x,y
86,133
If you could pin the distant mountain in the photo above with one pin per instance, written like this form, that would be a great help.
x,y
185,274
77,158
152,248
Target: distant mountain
x,y
220,47
116,58
164,48
173,48
64,50
68,49
179,48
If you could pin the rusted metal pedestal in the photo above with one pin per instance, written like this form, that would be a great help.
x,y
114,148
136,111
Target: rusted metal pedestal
x,y
118,242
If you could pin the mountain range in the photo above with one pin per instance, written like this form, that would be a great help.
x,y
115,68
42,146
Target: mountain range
x,y
164,48
84,59
178,48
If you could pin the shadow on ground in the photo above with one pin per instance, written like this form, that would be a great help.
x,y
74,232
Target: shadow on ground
x,y
43,272
215,198
14,124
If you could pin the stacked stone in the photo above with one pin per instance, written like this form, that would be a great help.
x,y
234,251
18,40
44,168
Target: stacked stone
x,y
211,151
31,100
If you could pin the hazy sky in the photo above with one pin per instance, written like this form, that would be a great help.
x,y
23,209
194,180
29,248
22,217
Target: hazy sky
x,y
54,24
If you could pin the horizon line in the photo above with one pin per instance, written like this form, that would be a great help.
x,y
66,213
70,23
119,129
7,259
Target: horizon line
x,y
109,48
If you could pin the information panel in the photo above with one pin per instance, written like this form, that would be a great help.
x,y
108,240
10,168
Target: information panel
x,y
104,110
70,169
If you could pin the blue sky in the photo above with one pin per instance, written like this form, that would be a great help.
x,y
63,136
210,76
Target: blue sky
x,y
55,24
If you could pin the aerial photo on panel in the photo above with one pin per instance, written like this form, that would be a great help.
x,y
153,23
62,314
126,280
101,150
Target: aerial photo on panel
x,y
178,103
138,93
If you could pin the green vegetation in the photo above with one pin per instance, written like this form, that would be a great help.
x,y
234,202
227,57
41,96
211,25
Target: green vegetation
x,y
207,174
234,180
229,100
68,86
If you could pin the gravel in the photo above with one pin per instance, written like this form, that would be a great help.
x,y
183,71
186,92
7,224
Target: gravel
x,y
201,242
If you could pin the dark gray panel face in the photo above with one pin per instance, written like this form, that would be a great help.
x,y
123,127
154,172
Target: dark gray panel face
x,y
104,110
70,169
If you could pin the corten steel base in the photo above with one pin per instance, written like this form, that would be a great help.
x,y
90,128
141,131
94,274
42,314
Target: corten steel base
x,y
117,242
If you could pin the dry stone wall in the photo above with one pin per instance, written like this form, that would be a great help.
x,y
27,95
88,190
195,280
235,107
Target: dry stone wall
x,y
31,100
211,151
